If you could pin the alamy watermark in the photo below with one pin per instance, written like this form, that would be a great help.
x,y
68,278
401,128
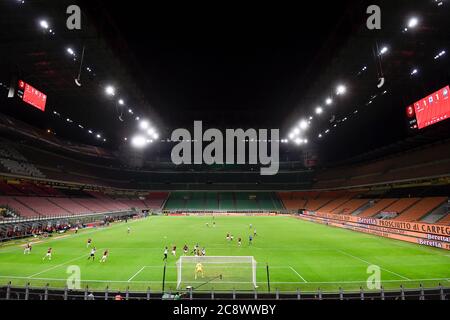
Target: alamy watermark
x,y
374,20
374,280
73,22
74,279
236,146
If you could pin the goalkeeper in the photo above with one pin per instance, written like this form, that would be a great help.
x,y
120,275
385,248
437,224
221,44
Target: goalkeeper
x,y
199,270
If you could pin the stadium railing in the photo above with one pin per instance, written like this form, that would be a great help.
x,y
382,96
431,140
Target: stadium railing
x,y
9,292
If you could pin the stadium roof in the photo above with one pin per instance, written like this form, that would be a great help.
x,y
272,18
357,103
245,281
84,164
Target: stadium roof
x,y
263,67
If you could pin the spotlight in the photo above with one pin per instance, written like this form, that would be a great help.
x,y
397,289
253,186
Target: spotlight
x,y
151,132
70,51
320,136
44,24
413,22
384,50
98,136
155,136
303,125
110,91
319,110
138,141
329,101
296,131
415,71
341,89
121,102
298,141
143,124
440,54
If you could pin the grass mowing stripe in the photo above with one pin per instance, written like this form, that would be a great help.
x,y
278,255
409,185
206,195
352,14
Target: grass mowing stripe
x,y
281,242
370,263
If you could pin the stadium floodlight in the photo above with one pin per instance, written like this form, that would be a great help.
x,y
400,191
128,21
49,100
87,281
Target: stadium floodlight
x,y
341,89
151,132
415,71
155,136
440,54
303,125
384,50
298,141
110,91
216,272
121,102
130,111
291,136
138,141
413,22
320,136
296,131
144,124
98,136
319,110
329,101
70,51
44,24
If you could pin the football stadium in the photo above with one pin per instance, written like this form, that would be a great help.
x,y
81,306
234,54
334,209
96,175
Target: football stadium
x,y
166,153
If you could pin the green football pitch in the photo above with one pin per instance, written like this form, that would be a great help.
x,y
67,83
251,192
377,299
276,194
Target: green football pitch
x,y
300,255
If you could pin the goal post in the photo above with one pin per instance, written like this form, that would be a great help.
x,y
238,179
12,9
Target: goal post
x,y
216,272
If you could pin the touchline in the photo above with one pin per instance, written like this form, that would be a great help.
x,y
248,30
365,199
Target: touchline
x,y
239,144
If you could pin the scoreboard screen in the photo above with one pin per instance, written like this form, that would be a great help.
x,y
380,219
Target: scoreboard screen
x,y
31,95
430,110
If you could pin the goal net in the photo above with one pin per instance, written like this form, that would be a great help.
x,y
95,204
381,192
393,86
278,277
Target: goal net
x,y
216,272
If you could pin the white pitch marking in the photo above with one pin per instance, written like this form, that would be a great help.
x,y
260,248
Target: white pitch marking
x,y
54,267
298,274
140,270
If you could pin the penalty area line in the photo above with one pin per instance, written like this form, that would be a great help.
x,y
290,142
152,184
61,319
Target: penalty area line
x,y
54,267
134,275
298,274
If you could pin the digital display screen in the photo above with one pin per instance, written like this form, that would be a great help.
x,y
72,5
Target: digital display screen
x,y
32,96
430,110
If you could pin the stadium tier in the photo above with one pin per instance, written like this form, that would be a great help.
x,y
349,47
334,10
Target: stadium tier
x,y
234,201
29,200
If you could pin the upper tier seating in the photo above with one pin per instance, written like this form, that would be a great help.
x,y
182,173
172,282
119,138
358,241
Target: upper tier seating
x,y
429,161
16,163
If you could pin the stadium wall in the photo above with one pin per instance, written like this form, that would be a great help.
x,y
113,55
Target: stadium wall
x,y
431,235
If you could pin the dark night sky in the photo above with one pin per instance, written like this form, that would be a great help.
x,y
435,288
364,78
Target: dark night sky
x,y
229,65
259,65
